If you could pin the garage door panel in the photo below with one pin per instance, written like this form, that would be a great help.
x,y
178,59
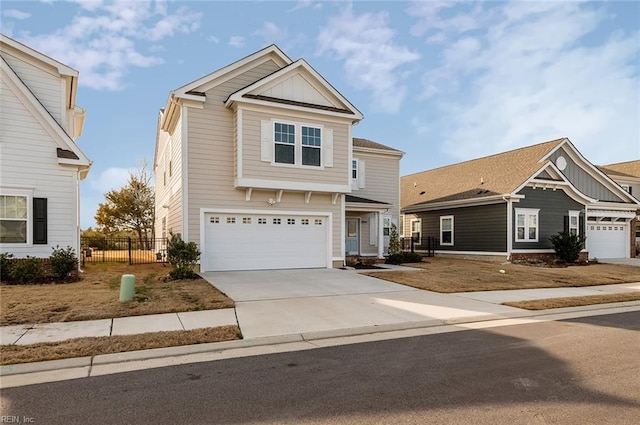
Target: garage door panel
x,y
607,240
254,242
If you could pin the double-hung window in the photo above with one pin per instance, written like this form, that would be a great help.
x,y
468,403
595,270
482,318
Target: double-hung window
x,y
574,220
13,219
526,225
285,141
311,142
416,227
446,230
297,144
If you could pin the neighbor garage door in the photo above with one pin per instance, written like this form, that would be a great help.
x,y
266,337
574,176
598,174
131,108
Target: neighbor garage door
x,y
607,240
263,241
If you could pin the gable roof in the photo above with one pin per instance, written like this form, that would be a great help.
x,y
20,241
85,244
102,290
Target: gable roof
x,y
370,144
331,101
623,169
45,119
196,87
498,174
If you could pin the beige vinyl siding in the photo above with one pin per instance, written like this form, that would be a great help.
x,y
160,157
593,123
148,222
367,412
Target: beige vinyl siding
x,y
211,154
382,179
254,168
48,87
169,193
28,160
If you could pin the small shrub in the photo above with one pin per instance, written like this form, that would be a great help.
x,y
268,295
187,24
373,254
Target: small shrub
x,y
183,257
412,257
6,266
567,246
63,262
404,257
27,270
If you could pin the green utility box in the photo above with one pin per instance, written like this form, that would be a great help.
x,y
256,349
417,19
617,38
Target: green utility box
x,y
127,284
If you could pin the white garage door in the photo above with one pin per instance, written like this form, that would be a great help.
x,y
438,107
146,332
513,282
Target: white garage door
x,y
263,241
607,240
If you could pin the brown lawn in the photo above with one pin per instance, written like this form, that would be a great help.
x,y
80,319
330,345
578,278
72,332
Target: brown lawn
x,y
96,296
548,303
81,347
441,274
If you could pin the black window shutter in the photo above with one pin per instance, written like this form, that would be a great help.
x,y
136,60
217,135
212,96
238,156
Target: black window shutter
x,y
40,221
566,223
583,228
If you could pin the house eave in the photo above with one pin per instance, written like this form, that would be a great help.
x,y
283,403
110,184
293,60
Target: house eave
x,y
387,152
470,202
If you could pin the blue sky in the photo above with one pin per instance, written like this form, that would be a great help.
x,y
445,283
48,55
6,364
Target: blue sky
x,y
442,81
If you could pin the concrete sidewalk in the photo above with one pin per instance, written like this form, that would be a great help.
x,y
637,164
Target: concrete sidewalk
x,y
53,332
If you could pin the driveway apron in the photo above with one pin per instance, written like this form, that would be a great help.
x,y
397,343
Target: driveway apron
x,y
285,302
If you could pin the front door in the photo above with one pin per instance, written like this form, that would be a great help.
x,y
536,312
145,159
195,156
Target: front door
x,y
352,241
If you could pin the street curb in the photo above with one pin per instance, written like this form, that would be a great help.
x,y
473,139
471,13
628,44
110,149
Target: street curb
x,y
216,347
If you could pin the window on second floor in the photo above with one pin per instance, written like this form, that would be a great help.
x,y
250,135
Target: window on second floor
x,y
311,142
285,139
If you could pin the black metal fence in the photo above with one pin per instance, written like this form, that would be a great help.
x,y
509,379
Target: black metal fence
x,y
123,250
427,244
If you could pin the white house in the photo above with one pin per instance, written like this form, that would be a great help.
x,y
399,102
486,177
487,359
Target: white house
x,y
41,165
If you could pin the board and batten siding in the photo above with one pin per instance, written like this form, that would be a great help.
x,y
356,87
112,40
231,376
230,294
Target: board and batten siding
x,y
480,228
254,168
583,181
211,166
48,87
554,205
28,161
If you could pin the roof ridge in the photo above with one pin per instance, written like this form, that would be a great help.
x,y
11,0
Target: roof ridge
x,y
488,156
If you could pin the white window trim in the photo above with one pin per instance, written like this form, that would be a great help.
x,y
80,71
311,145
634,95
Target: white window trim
x,y
416,220
354,180
527,213
297,145
442,218
575,214
29,195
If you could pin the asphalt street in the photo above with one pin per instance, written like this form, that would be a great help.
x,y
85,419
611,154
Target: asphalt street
x,y
579,371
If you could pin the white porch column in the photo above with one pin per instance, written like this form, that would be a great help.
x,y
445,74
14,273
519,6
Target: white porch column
x,y
380,235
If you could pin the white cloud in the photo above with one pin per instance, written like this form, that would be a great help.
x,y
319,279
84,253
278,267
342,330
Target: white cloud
x,y
213,39
532,77
110,179
104,40
272,32
236,41
15,14
306,4
365,43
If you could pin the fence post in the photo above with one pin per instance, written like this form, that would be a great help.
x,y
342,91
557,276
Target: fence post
x,y
129,246
104,250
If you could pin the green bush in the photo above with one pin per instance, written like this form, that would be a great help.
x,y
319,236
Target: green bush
x,y
63,262
404,257
183,257
27,270
567,246
6,266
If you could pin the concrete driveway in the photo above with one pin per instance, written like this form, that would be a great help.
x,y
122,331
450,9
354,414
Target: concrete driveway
x,y
285,302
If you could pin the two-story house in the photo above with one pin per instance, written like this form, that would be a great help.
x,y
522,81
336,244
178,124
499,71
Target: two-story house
x,y
41,165
256,163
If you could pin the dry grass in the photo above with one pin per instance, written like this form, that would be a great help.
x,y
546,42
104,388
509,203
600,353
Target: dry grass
x,y
81,347
448,275
575,301
96,296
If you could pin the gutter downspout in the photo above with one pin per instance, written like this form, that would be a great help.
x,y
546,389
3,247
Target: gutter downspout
x,y
509,226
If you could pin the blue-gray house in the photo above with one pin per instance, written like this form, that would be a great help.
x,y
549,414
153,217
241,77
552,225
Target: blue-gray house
x,y
508,205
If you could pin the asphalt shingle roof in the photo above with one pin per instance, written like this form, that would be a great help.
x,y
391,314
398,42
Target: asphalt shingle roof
x,y
492,175
366,143
629,168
